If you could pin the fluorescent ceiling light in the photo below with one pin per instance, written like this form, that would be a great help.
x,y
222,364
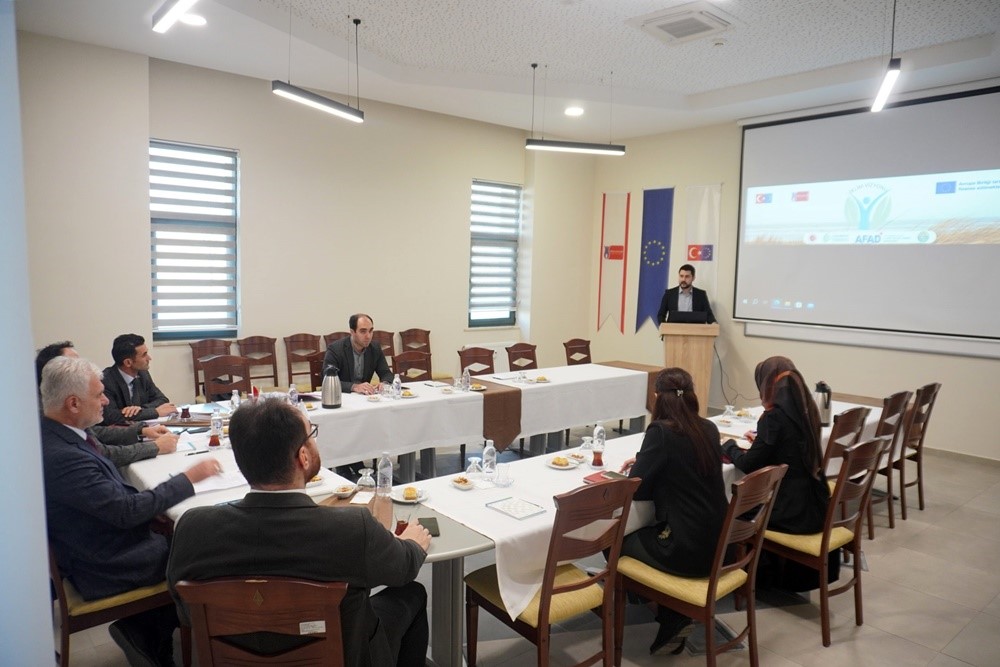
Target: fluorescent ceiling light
x,y
169,13
888,82
315,101
196,20
574,147
573,111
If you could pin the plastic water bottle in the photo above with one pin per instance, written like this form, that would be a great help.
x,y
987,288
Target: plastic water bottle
x,y
466,380
234,402
293,394
383,486
397,386
216,425
489,462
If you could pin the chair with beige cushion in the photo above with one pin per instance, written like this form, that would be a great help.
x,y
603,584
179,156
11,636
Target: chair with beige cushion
x,y
588,520
202,351
742,533
577,351
890,423
226,374
387,341
298,347
413,365
841,530
259,351
522,357
913,442
415,339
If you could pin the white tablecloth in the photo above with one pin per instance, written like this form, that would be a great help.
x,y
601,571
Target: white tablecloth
x,y
574,395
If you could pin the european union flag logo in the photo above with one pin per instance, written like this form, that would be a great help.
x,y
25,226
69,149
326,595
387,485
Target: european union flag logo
x,y
945,187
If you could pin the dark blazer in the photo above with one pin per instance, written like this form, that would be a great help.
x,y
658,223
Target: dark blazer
x,y
287,534
124,444
699,303
340,355
98,524
147,395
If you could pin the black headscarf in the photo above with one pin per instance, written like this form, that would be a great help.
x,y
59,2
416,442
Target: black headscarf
x,y
782,387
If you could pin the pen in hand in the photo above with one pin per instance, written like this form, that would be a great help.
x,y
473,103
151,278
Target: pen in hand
x,y
204,451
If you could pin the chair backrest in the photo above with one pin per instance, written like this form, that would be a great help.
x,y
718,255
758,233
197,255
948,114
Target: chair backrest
x,y
577,351
228,606
854,483
891,422
919,416
297,348
259,351
330,338
386,341
846,431
588,521
413,365
201,351
315,360
415,339
521,357
477,359
745,523
224,374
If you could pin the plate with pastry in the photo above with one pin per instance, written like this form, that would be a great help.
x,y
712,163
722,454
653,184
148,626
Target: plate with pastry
x,y
310,406
542,379
462,482
562,463
478,387
406,393
317,480
344,490
577,457
408,495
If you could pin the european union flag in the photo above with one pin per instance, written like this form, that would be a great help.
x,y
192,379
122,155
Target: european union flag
x,y
945,187
657,222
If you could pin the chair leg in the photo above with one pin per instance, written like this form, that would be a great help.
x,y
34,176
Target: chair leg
x,y
619,619
186,646
543,646
859,614
920,478
888,499
461,457
752,625
902,487
871,521
64,646
824,598
710,648
471,629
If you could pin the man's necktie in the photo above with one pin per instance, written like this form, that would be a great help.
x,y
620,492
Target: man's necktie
x,y
93,444
131,394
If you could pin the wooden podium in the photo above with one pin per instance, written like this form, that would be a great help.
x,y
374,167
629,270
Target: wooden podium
x,y
689,346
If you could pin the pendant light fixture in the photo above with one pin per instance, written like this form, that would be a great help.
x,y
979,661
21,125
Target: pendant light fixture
x,y
169,13
892,73
310,99
543,144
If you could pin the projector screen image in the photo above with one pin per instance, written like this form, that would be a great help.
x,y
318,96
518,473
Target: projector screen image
x,y
886,221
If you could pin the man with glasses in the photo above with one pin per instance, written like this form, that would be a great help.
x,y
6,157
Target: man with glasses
x,y
278,530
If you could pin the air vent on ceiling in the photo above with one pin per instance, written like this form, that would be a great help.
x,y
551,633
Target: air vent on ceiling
x,y
695,20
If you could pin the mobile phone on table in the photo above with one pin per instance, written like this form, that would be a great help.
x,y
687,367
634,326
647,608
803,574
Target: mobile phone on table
x,y
431,524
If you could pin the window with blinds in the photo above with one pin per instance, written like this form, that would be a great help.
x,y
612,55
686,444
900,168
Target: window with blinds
x,y
193,213
494,225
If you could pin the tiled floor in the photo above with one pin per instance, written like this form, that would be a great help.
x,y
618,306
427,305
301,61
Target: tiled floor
x,y
931,597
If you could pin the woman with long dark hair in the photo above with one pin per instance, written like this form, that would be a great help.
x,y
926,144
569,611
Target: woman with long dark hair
x,y
788,432
680,465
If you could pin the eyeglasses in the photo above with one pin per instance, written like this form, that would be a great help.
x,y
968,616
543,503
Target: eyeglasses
x,y
313,432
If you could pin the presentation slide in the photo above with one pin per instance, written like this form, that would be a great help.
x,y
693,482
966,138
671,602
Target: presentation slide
x,y
863,229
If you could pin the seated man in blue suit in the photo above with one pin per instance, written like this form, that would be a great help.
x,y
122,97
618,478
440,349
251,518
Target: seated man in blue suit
x,y
278,530
98,525
131,392
685,297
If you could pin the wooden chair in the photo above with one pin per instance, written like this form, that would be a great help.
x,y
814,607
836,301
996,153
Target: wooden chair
x,y
203,350
386,340
913,442
415,339
297,348
743,529
577,351
259,351
566,589
77,614
225,374
521,357
846,431
841,530
890,424
315,360
413,365
221,608
330,338
479,360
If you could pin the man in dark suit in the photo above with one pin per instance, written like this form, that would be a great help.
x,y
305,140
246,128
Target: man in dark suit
x,y
356,359
98,525
278,530
131,392
685,297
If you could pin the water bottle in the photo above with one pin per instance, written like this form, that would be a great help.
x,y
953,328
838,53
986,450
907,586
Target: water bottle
x,y
383,486
489,462
397,386
234,402
466,380
293,394
216,422
600,437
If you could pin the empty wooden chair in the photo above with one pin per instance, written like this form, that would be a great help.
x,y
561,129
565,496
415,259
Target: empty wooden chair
x,y
567,590
225,374
413,365
330,338
846,431
259,352
478,360
315,361
201,351
890,423
743,530
297,348
386,341
415,339
913,442
577,351
226,607
841,530
521,357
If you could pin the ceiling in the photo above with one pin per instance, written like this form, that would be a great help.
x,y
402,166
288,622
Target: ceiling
x,y
471,58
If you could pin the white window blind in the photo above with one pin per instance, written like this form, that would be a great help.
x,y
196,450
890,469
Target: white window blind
x,y
494,225
193,215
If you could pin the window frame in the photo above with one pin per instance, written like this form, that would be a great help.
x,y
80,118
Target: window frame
x,y
495,219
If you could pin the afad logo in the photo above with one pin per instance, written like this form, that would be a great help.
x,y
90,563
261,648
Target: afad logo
x,y
867,206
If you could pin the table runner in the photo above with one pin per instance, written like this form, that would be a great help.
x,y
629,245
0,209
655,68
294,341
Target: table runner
x,y
651,371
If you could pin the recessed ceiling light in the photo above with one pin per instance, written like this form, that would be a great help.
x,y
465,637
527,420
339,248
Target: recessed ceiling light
x,y
574,111
193,19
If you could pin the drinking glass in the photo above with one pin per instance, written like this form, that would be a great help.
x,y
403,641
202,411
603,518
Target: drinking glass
x,y
730,411
366,482
588,444
503,478
475,470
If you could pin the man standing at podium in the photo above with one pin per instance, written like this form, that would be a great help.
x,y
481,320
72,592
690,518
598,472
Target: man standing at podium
x,y
685,298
